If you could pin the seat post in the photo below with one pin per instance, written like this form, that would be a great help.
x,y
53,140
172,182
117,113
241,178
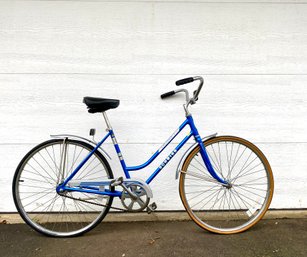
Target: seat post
x,y
109,127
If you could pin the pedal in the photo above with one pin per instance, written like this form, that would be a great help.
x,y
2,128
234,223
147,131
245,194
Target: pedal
x,y
117,182
152,207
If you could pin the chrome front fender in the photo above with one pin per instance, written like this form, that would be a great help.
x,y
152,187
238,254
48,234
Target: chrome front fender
x,y
101,150
187,152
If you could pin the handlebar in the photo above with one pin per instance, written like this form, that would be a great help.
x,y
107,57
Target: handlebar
x,y
184,81
167,94
180,82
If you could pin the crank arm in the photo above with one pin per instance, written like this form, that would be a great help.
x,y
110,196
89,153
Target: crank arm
x,y
132,195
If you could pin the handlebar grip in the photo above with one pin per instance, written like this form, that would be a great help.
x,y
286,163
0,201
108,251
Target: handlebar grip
x,y
184,81
167,94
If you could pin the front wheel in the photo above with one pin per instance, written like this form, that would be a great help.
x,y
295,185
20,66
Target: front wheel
x,y
42,170
232,208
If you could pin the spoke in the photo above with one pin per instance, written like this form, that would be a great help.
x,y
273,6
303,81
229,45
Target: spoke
x,y
88,166
42,168
216,200
202,171
217,160
51,205
87,196
214,193
200,176
202,192
224,192
47,163
235,162
67,214
227,157
65,169
210,189
88,173
251,192
259,189
98,171
21,185
231,201
195,192
71,170
246,197
55,161
243,201
55,165
87,205
229,168
59,213
40,206
46,208
40,197
37,193
248,182
250,173
35,172
212,161
79,212
244,167
236,200
32,179
73,161
220,159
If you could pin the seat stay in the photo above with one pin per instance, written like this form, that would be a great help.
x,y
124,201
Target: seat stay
x,y
83,162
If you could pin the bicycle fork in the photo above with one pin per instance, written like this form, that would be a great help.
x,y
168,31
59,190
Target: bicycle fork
x,y
203,152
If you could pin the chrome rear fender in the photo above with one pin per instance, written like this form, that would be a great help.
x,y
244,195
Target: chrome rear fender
x,y
101,150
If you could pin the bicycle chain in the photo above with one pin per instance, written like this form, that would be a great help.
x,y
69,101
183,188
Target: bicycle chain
x,y
103,205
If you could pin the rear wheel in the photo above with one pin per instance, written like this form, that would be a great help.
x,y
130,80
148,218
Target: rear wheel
x,y
38,175
233,208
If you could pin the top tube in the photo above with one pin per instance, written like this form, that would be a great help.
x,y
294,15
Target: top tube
x,y
167,142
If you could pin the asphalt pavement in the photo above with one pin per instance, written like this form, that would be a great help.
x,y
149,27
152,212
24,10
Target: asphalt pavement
x,y
277,237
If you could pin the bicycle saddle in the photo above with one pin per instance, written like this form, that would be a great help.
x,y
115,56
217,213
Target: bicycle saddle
x,y
95,104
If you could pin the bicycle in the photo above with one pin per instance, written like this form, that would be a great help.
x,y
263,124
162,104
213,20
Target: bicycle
x,y
65,186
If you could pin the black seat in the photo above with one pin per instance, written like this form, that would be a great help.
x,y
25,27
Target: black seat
x,y
100,104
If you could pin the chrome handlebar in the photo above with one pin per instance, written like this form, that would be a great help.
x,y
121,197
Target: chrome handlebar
x,y
189,100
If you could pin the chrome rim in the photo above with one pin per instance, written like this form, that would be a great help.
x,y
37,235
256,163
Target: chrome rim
x,y
39,203
227,208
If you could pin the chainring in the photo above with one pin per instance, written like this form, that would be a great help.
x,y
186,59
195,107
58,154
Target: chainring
x,y
138,204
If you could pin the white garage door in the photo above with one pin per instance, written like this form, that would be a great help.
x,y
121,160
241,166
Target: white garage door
x,y
252,55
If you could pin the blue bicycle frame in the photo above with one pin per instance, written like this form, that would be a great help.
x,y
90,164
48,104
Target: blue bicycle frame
x,y
92,186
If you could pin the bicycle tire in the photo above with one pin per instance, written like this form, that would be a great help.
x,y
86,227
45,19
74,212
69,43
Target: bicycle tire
x,y
225,210
37,176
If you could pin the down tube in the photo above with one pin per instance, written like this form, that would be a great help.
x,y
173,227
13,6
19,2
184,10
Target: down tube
x,y
171,155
